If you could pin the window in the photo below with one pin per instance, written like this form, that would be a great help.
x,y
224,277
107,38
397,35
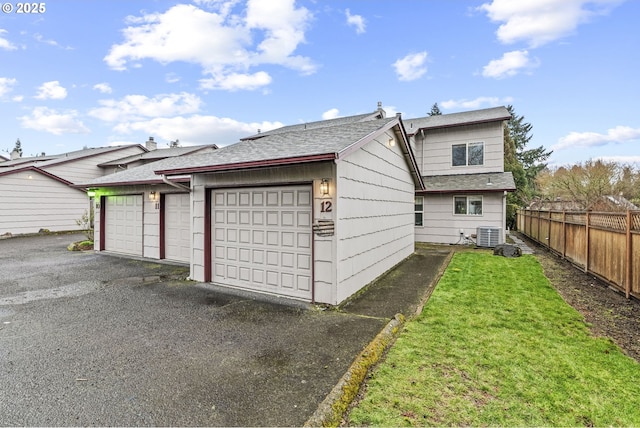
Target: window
x,y
467,205
418,208
467,154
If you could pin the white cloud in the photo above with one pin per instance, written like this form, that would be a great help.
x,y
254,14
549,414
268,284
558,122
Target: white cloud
x,y
411,67
4,43
236,81
331,114
51,91
197,129
103,88
538,22
357,21
509,65
480,102
6,85
225,45
48,120
136,107
40,38
619,134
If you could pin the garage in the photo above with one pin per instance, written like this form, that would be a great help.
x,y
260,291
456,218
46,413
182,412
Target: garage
x,y
123,224
262,239
177,231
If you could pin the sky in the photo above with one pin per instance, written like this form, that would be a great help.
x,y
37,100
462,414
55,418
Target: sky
x,y
78,73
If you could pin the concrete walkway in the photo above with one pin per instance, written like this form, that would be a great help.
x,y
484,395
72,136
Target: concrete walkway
x,y
520,243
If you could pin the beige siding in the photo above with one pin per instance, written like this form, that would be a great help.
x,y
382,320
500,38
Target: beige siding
x,y
151,215
324,247
442,226
433,153
30,201
84,169
375,214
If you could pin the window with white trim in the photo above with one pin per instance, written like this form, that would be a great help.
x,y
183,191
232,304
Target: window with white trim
x,y
467,154
467,205
419,208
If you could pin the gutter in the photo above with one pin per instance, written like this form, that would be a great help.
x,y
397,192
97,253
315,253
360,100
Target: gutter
x,y
176,185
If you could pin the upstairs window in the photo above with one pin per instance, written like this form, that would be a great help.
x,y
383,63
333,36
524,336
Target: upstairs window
x,y
467,154
467,205
419,208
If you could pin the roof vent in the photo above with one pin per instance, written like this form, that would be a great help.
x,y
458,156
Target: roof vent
x,y
151,144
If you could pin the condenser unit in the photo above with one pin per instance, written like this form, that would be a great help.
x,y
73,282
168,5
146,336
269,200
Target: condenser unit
x,y
488,236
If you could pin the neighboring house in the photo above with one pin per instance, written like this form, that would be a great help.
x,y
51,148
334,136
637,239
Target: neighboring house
x,y
37,192
40,192
313,211
461,157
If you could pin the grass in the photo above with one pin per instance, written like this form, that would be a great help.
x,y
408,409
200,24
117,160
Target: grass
x,y
496,345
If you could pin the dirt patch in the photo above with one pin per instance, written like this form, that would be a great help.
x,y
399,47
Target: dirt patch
x,y
609,313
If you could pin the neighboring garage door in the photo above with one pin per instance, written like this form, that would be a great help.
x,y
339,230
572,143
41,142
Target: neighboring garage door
x,y
123,219
177,233
262,239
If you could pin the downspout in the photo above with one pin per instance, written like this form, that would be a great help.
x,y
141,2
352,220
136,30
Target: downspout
x,y
176,185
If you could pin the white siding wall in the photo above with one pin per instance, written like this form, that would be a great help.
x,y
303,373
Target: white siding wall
x,y
84,169
434,152
375,214
324,247
151,215
30,204
442,226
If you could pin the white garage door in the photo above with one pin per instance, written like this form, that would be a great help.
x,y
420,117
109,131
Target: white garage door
x,y
262,239
123,221
177,233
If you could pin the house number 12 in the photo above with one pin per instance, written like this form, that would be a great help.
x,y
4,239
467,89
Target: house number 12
x,y
326,207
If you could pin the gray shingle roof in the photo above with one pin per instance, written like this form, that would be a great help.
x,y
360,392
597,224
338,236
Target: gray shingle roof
x,y
455,119
159,154
378,114
486,182
143,174
296,144
42,162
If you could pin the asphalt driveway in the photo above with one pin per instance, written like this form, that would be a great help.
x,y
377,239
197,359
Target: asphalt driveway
x,y
90,339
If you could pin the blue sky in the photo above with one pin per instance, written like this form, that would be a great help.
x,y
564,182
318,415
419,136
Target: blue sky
x,y
94,73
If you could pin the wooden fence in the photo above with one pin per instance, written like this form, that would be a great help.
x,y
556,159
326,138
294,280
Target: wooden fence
x,y
606,245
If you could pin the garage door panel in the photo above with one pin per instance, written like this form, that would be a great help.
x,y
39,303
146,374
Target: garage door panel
x,y
123,224
177,212
257,227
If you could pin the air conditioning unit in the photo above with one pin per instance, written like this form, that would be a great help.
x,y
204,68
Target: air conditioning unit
x,y
488,236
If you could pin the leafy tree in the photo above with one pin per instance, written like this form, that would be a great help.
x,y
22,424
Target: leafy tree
x,y
435,110
586,183
524,163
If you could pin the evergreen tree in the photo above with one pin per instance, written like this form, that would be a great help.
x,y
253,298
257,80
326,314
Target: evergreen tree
x,y
435,110
18,147
523,163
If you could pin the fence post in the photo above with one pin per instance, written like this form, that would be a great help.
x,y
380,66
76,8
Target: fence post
x,y
564,233
627,280
586,224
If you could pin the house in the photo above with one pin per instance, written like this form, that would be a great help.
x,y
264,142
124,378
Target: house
x,y
313,211
461,157
40,193
37,192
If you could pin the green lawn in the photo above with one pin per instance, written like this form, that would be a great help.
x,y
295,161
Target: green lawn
x,y
496,345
